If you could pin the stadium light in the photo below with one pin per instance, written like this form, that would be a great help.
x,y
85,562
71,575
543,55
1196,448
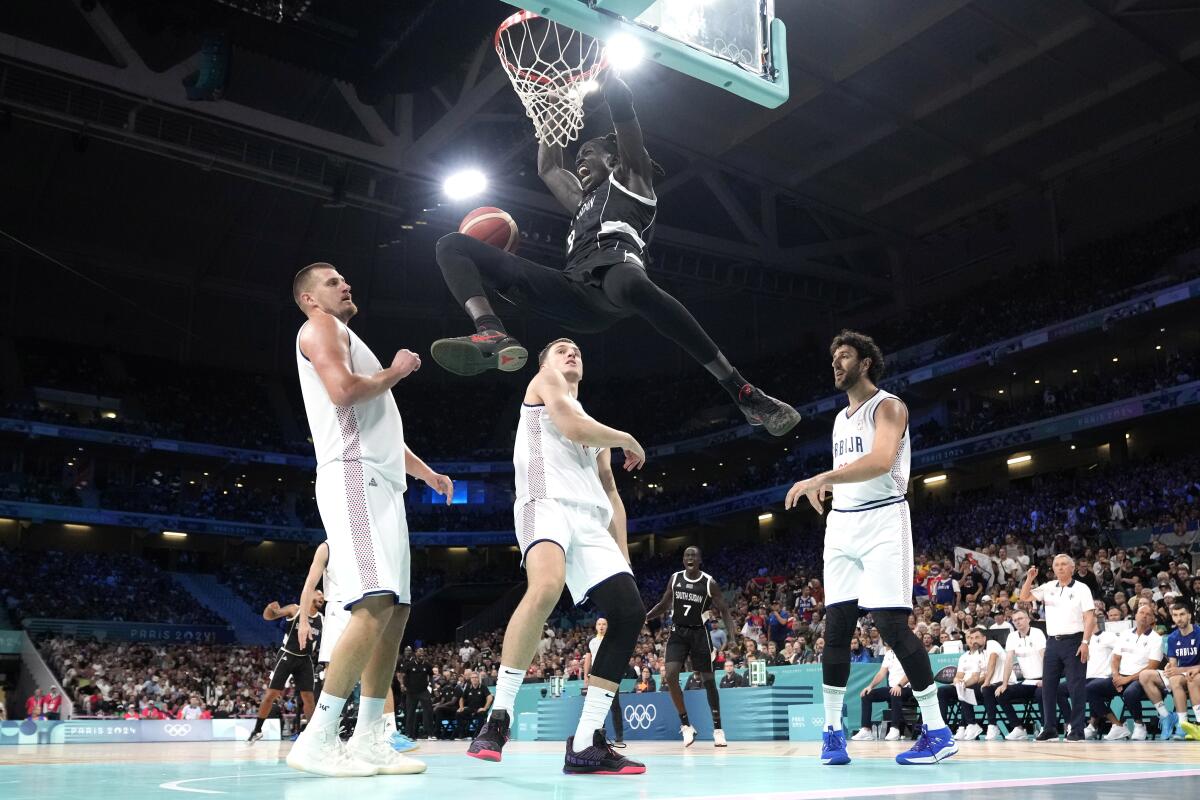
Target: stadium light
x,y
1019,459
767,517
71,526
109,415
624,52
464,184
935,479
174,535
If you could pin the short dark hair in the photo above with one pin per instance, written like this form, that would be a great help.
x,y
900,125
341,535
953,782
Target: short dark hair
x,y
546,350
303,280
865,347
1179,605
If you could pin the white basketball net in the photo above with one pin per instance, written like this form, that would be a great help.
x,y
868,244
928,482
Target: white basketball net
x,y
552,67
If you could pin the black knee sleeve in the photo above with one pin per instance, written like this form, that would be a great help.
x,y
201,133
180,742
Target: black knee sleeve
x,y
893,627
620,603
840,622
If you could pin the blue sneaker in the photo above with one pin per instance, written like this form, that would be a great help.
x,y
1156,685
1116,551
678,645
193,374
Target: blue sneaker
x,y
1170,726
833,748
403,744
930,747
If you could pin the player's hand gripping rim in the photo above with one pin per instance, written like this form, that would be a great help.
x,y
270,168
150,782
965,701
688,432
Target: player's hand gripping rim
x,y
814,491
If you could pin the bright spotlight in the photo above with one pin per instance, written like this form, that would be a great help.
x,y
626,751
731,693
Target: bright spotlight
x,y
624,51
462,185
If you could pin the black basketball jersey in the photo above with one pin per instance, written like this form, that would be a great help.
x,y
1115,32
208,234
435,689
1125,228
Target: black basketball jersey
x,y
692,598
291,639
611,217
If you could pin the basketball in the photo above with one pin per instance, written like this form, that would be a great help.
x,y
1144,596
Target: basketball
x,y
493,226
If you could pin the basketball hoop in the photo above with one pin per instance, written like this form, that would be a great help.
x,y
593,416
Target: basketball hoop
x,y
552,68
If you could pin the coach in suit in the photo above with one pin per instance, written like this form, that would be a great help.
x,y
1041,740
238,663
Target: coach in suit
x,y
1070,622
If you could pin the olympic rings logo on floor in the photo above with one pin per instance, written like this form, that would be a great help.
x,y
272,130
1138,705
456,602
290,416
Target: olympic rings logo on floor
x,y
176,730
640,717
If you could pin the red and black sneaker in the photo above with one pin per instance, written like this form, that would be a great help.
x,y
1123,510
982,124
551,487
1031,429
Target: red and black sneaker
x,y
776,416
601,758
492,737
479,352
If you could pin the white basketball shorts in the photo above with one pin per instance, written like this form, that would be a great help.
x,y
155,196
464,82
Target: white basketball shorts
x,y
869,557
367,531
581,531
332,628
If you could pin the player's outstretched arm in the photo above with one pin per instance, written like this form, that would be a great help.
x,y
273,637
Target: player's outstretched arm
x,y
616,526
316,569
323,343
414,466
561,182
663,605
722,607
569,417
274,611
636,168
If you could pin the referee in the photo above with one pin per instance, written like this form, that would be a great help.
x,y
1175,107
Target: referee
x,y
1070,622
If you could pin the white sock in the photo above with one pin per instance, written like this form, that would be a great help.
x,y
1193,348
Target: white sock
x,y
508,683
1161,708
595,708
369,710
389,722
835,698
931,711
328,713
1196,711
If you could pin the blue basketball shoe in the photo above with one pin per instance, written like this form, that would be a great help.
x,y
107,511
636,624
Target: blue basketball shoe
x,y
930,747
833,748
1170,726
402,744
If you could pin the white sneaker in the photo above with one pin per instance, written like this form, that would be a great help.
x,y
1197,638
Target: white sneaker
x,y
973,732
893,735
1090,732
1117,733
993,733
1017,734
863,735
372,746
689,734
321,752
719,738
1139,732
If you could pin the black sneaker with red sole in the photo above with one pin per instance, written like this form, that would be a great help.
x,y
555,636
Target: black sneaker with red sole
x,y
776,416
479,352
601,758
489,743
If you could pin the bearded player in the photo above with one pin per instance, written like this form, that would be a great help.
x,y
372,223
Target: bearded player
x,y
868,545
610,192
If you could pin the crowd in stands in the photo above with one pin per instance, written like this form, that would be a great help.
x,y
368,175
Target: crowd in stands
x,y
50,584
155,681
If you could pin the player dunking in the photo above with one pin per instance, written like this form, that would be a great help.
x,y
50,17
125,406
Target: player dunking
x,y
362,470
611,195
868,545
570,525
296,656
689,594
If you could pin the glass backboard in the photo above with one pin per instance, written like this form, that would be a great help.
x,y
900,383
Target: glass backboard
x,y
737,45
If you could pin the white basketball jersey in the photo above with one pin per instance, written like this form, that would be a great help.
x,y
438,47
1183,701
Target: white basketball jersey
x,y
853,438
549,466
370,433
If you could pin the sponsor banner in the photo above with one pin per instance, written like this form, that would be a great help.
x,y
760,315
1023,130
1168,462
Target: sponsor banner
x,y
131,731
132,631
806,722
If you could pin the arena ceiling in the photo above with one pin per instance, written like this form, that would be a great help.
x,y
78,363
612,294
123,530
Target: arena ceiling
x,y
904,119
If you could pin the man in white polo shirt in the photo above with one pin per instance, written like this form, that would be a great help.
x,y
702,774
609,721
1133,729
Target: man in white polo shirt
x,y
895,693
1070,621
1099,665
1026,647
1137,650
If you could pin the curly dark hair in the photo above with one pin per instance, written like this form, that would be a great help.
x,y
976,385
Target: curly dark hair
x,y
865,347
